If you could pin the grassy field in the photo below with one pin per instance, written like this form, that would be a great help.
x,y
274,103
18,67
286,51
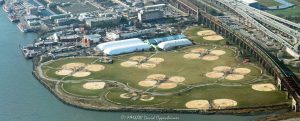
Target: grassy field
x,y
268,3
244,95
77,90
191,33
174,65
290,12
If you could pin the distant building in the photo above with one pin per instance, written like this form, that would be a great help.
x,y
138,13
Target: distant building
x,y
59,16
104,20
112,36
84,16
32,10
138,33
156,41
157,6
34,25
66,38
151,12
89,40
65,21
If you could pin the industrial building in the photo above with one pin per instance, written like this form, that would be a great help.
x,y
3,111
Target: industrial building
x,y
148,15
152,12
123,46
32,10
88,40
168,45
137,33
156,41
103,20
65,21
59,16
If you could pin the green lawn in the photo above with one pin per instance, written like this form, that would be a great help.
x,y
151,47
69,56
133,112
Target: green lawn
x,y
244,95
191,33
290,12
174,65
268,3
77,90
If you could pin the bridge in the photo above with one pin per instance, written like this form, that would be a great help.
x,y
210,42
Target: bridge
x,y
249,18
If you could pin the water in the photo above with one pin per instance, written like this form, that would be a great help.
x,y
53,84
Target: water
x,y
23,98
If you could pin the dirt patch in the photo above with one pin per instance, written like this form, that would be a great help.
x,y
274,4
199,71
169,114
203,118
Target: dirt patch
x,y
234,77
147,83
81,74
94,67
129,64
125,95
138,58
199,50
146,98
157,77
137,61
146,65
156,60
210,57
213,38
222,68
191,56
94,85
73,65
198,104
264,87
214,75
63,72
223,103
242,71
167,85
176,79
217,52
206,33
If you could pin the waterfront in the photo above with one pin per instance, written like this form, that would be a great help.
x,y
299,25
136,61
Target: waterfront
x,y
23,98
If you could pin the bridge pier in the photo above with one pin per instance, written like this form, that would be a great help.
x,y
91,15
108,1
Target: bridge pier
x,y
295,106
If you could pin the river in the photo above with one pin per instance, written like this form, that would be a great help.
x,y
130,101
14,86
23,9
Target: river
x,y
23,98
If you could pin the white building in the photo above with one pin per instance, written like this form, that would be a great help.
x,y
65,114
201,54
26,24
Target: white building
x,y
127,49
123,46
174,43
157,6
112,36
107,45
84,16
